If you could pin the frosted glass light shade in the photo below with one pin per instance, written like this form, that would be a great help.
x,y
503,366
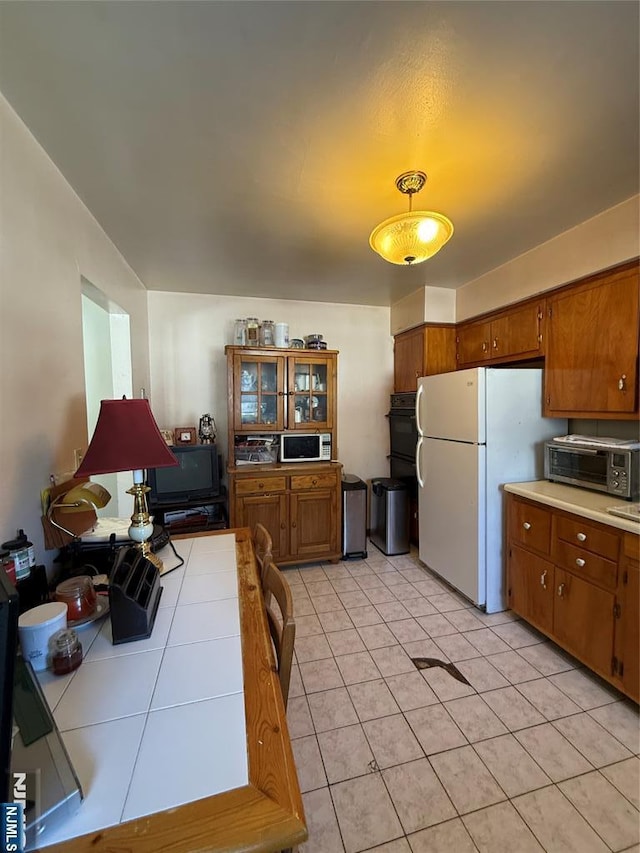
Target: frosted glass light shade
x,y
411,238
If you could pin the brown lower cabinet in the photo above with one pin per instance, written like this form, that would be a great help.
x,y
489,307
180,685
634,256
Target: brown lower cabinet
x,y
299,504
577,581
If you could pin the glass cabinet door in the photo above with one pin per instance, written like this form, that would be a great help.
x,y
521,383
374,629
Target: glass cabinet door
x,y
310,393
259,399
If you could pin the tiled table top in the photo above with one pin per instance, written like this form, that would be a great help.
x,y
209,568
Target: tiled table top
x,y
155,723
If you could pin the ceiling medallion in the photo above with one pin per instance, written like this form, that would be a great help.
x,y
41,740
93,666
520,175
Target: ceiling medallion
x,y
413,237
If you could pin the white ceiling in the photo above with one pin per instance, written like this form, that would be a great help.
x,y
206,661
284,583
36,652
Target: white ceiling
x,y
250,147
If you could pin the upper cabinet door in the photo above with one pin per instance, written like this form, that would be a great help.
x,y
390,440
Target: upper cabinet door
x,y
311,392
592,349
474,343
422,351
259,396
518,333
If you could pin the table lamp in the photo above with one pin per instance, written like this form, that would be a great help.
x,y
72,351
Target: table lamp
x,y
127,438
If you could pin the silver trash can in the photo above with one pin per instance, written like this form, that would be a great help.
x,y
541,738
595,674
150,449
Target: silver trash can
x,y
354,517
389,529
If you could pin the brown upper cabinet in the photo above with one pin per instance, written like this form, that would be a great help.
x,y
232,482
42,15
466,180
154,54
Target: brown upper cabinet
x,y
510,335
591,368
422,351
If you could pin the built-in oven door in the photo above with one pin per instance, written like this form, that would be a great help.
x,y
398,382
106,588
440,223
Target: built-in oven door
x,y
403,433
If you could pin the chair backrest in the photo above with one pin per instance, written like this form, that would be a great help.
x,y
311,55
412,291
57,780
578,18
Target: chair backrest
x,y
282,626
263,546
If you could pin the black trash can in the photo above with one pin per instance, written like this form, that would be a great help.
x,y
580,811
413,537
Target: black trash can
x,y
354,517
389,529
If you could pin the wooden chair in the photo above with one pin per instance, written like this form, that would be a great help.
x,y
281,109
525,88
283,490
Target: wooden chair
x,y
282,626
262,545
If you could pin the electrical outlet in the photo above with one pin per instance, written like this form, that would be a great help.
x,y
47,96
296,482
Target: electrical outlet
x,y
78,455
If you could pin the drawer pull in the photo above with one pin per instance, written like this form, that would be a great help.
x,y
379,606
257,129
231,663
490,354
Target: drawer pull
x,y
581,537
580,562
261,485
314,482
561,591
526,525
543,579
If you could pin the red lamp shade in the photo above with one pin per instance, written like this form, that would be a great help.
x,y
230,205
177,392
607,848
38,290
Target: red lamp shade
x,y
126,438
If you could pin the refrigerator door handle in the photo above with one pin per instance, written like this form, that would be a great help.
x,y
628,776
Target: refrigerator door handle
x,y
418,472
418,395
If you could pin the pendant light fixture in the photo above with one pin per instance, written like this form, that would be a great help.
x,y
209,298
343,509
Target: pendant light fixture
x,y
413,237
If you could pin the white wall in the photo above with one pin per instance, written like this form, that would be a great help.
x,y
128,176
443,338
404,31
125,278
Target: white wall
x,y
425,305
597,244
187,336
49,240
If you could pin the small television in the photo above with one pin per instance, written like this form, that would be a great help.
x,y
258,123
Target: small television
x,y
195,478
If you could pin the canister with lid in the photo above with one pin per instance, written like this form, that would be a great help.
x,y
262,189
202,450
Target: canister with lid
x,y
282,335
252,331
267,333
66,651
240,333
23,554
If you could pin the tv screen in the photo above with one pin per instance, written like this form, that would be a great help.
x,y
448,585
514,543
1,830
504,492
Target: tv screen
x,y
195,477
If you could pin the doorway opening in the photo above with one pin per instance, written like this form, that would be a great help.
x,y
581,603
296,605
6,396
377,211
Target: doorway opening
x,y
107,376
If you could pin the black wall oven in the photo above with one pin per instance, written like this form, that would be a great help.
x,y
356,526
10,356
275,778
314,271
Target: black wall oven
x,y
403,438
403,432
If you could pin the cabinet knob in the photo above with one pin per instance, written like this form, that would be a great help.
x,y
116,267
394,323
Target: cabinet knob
x,y
622,382
484,346
580,562
581,537
282,525
561,591
293,524
314,482
495,343
543,579
526,525
261,485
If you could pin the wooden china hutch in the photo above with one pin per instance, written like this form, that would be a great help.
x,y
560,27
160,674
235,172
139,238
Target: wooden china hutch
x,y
271,392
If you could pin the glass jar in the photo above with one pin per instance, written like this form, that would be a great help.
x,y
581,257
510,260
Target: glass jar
x,y
267,333
253,325
240,333
79,594
8,564
66,651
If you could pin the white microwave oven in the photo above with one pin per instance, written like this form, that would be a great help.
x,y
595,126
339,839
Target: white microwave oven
x,y
305,447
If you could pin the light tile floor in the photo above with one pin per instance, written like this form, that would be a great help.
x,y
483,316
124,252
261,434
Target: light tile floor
x,y
538,754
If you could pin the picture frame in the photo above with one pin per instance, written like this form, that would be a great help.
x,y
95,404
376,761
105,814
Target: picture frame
x,y
184,435
167,434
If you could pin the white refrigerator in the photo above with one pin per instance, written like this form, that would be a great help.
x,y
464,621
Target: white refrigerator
x,y
477,429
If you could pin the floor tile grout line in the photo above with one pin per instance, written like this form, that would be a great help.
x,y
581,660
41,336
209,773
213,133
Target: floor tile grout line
x,y
442,702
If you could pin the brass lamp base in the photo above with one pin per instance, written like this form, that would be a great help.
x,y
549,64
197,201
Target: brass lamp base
x,y
141,525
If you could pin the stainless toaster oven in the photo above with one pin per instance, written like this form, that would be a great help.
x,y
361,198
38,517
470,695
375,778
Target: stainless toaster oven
x,y
605,464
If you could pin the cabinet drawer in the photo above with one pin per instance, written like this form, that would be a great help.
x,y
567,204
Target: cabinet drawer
x,y
585,564
313,481
588,537
260,485
530,526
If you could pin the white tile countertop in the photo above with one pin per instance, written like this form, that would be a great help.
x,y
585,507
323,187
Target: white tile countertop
x,y
156,723
582,502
